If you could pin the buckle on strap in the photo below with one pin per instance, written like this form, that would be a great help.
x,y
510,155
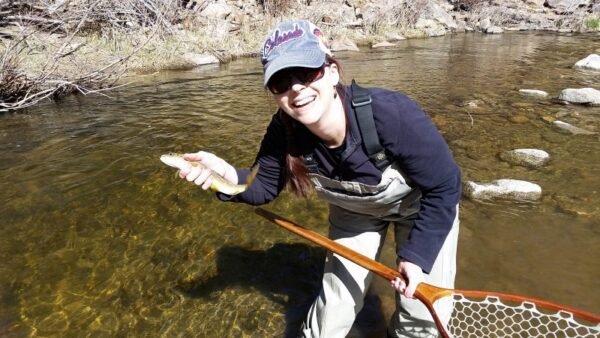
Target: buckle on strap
x,y
311,164
361,103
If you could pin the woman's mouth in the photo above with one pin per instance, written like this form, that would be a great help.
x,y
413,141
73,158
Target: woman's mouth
x,y
303,102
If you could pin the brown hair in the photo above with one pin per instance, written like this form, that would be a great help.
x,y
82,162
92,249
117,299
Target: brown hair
x,y
296,172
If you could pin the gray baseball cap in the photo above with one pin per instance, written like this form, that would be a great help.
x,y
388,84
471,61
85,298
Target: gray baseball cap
x,y
295,43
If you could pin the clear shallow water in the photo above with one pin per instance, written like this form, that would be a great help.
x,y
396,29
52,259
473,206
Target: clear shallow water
x,y
98,238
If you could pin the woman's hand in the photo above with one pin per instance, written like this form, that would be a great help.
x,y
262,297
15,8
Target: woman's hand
x,y
413,274
201,175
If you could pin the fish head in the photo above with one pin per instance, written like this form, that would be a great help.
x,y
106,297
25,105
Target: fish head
x,y
175,160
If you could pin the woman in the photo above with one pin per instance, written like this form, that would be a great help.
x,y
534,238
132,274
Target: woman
x,y
313,141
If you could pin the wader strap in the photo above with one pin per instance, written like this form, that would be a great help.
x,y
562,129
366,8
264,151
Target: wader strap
x,y
311,164
361,102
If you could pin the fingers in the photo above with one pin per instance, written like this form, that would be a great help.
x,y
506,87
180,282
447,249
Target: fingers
x,y
203,180
198,175
398,284
413,277
410,289
195,156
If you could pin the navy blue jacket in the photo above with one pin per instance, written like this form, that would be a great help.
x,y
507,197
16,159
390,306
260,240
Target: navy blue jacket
x,y
408,134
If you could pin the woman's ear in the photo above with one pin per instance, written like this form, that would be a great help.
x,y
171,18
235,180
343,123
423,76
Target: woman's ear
x,y
335,75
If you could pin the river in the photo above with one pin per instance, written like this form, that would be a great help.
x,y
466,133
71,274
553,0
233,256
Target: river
x,y
98,238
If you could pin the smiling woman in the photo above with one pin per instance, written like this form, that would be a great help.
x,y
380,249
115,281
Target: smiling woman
x,y
314,141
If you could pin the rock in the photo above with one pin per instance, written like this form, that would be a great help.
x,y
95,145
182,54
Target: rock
x,y
572,129
439,14
485,24
343,44
531,158
503,189
200,59
219,10
383,44
565,6
533,93
590,62
548,119
518,119
394,37
494,30
430,27
581,96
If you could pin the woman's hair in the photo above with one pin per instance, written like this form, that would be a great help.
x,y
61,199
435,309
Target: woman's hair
x,y
296,172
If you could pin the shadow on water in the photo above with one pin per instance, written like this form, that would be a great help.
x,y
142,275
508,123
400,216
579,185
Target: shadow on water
x,y
287,274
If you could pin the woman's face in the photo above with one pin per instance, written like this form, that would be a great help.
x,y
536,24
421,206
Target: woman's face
x,y
304,99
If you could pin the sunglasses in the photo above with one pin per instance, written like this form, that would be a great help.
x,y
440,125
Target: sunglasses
x,y
282,81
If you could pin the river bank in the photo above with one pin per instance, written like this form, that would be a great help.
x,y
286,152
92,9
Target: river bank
x,y
47,56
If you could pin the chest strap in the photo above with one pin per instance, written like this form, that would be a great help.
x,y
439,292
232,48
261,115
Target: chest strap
x,y
361,103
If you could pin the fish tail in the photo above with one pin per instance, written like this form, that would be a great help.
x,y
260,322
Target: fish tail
x,y
252,175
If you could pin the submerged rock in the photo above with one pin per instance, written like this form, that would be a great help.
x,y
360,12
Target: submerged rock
x,y
503,189
572,129
581,96
384,44
533,93
531,158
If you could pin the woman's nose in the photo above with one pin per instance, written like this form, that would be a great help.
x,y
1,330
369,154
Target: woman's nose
x,y
297,85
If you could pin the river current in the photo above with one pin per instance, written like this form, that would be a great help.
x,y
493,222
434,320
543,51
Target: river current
x,y
98,238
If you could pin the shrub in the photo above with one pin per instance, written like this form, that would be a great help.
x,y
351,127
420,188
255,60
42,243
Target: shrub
x,y
592,23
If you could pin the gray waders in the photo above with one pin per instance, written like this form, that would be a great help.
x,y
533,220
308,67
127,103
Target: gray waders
x,y
359,215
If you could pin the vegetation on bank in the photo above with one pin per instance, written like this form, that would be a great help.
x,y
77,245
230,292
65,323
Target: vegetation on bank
x,y
49,49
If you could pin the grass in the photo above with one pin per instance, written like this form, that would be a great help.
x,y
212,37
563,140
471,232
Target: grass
x,y
592,23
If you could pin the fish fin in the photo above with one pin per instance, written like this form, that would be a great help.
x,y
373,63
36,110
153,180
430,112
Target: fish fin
x,y
252,175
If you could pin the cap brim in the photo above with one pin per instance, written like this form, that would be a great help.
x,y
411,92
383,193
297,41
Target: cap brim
x,y
307,59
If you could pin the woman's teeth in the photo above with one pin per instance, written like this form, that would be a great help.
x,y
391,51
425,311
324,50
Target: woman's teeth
x,y
304,102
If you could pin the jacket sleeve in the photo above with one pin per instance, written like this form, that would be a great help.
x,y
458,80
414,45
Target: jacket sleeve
x,y
410,135
269,180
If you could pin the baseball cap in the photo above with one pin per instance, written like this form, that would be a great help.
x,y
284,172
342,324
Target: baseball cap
x,y
293,43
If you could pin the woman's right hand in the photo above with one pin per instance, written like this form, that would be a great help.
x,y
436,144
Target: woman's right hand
x,y
201,175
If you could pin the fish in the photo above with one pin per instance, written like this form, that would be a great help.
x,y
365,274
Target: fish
x,y
219,183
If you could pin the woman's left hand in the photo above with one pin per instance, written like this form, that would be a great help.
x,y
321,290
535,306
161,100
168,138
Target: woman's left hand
x,y
413,274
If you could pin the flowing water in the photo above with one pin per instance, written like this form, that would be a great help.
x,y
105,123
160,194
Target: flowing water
x,y
98,238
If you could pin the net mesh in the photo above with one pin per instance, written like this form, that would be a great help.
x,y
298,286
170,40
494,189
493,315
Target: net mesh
x,y
491,317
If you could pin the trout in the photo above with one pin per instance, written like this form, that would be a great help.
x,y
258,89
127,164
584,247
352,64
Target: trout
x,y
219,183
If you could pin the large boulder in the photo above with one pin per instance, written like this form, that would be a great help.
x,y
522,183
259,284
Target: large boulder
x,y
589,96
590,62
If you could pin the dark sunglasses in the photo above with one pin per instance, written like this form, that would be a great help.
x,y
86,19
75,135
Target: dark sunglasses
x,y
282,81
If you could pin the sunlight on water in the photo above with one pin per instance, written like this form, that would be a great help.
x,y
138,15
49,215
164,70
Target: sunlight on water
x,y
98,238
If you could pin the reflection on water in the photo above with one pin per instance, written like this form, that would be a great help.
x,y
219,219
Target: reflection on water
x,y
99,238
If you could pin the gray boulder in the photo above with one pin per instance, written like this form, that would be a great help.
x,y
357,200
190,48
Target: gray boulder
x,y
590,62
581,96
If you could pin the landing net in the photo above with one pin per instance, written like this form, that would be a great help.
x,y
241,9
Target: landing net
x,y
492,317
